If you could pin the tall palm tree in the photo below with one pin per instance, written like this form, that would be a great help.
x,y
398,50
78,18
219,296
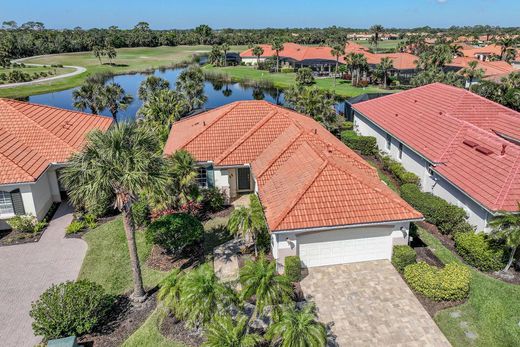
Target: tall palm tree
x,y
248,222
359,64
115,99
151,85
190,83
507,43
507,227
203,296
277,47
225,50
257,52
472,72
260,279
384,68
98,52
456,50
337,51
89,96
225,331
376,30
122,162
295,327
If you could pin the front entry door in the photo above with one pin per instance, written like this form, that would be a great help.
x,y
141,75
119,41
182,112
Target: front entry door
x,y
243,179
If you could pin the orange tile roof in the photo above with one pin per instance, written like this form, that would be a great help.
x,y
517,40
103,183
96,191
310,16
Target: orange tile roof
x,y
306,177
491,68
445,124
34,136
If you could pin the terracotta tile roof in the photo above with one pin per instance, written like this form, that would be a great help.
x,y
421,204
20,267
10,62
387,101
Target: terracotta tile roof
x,y
34,136
491,68
462,134
306,177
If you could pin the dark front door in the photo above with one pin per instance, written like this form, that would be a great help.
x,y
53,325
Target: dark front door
x,y
244,179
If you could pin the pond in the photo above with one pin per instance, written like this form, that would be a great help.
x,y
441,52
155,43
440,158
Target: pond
x,y
218,94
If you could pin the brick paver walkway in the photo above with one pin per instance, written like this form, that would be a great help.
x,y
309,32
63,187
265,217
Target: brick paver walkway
x,y
27,270
370,305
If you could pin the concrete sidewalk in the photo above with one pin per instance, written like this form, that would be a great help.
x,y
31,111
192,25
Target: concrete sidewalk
x,y
27,270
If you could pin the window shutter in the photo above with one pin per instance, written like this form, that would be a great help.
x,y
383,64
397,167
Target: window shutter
x,y
16,197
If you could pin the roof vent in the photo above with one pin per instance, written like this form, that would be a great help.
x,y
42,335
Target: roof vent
x,y
440,113
397,114
484,150
470,143
203,123
329,148
315,131
503,152
415,101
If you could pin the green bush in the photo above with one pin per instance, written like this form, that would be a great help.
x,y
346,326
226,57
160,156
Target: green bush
x,y
141,213
26,224
75,227
293,269
402,256
447,284
304,76
447,217
174,232
399,172
478,250
286,70
70,308
213,199
90,221
346,125
367,145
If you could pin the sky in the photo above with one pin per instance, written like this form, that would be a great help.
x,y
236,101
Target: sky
x,y
182,14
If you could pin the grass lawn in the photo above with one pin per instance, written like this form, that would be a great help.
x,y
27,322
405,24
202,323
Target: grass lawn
x,y
387,44
492,310
33,69
127,60
286,80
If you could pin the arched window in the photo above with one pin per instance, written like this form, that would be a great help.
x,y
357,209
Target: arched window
x,y
6,204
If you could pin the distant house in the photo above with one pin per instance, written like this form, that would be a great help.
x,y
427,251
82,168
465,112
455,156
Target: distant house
x,y
35,143
321,200
463,147
493,70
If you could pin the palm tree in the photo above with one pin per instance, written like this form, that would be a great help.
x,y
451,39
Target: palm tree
x,y
456,50
122,162
260,279
98,52
507,43
225,331
190,83
248,222
377,30
225,49
111,53
507,227
472,71
299,328
337,51
277,47
257,52
89,96
115,99
151,85
359,63
384,68
203,296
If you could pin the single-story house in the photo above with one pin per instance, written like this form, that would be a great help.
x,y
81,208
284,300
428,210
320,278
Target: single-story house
x,y
321,200
35,142
493,70
463,147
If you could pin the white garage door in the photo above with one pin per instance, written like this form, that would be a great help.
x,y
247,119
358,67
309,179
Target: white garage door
x,y
345,246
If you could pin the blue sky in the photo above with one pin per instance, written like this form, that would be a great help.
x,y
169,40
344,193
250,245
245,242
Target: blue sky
x,y
163,14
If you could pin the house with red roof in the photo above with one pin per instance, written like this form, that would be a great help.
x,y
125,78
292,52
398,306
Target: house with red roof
x,y
35,143
463,147
321,200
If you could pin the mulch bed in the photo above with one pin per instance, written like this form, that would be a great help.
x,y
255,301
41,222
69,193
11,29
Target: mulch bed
x,y
124,320
162,260
174,329
425,254
224,213
432,307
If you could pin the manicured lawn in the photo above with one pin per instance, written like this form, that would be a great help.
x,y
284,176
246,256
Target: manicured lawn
x,y
492,311
33,69
286,80
128,60
388,44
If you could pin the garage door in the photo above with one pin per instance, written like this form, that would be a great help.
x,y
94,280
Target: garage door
x,y
345,246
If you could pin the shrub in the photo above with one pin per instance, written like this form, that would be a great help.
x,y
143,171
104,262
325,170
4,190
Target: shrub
x,y
402,256
293,269
286,70
450,283
304,76
174,232
141,213
346,125
213,199
90,221
478,250
447,217
399,172
367,145
70,308
75,227
26,224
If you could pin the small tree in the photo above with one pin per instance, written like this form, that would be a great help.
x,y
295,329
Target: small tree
x,y
248,222
507,227
111,53
304,76
257,52
98,53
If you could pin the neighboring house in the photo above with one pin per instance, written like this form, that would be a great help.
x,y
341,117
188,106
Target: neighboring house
x,y
493,70
321,200
463,147
35,142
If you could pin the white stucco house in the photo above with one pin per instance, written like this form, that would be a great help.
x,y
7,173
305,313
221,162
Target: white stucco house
x,y
464,148
321,200
35,143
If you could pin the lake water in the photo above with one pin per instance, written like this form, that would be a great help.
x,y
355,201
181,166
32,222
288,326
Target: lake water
x,y
218,93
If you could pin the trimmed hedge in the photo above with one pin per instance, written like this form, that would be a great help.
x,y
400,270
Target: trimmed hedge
x,y
367,145
448,218
477,250
447,284
399,172
402,256
174,232
293,269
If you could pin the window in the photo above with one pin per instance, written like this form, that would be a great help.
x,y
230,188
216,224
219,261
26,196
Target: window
x,y
400,151
6,204
202,177
388,141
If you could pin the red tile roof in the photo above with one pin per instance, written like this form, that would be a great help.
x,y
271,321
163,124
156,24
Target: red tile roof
x,y
34,136
443,124
306,177
491,68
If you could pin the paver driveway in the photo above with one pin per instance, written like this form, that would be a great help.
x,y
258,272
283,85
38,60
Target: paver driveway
x,y
370,305
27,270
